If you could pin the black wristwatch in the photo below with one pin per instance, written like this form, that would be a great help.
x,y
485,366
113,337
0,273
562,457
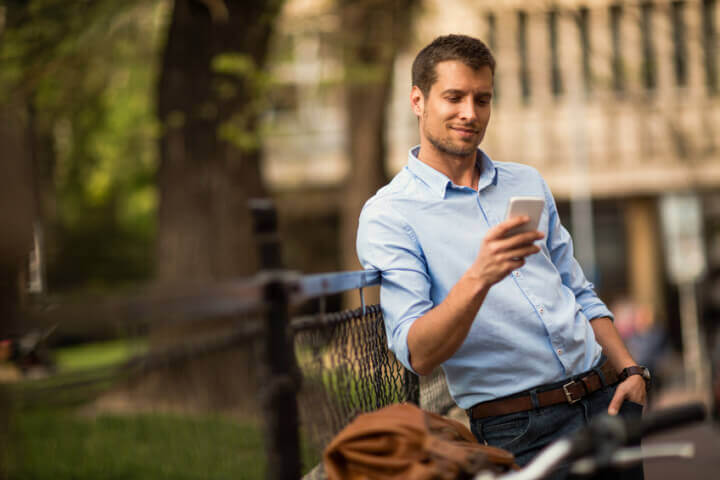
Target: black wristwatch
x,y
644,372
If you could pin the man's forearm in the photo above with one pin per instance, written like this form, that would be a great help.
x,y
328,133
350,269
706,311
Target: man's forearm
x,y
633,387
437,335
613,346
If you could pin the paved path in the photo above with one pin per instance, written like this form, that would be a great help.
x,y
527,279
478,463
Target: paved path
x,y
705,465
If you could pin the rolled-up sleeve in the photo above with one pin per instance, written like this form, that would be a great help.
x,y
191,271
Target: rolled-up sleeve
x,y
385,242
560,246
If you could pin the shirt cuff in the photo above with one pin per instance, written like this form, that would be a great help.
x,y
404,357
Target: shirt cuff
x,y
401,349
598,311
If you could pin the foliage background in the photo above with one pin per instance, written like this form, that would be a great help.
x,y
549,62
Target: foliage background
x,y
87,72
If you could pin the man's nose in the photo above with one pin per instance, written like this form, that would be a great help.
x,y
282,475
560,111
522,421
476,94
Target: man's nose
x,y
467,110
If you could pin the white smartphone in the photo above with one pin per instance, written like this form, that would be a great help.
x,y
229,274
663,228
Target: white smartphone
x,y
529,206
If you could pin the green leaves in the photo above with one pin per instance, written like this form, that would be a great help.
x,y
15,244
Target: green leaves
x,y
238,75
232,63
87,71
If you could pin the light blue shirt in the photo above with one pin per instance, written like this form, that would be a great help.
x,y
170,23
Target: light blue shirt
x,y
423,232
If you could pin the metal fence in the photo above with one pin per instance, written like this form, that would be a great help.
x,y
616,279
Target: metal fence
x,y
344,364
314,373
347,369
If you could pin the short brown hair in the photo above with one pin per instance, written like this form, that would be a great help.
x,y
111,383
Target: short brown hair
x,y
471,51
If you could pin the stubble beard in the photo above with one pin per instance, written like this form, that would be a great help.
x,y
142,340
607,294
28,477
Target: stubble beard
x,y
446,146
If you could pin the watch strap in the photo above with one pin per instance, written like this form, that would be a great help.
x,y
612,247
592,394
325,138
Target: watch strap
x,y
636,370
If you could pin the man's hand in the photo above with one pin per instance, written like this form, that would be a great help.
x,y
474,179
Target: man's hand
x,y
499,255
633,389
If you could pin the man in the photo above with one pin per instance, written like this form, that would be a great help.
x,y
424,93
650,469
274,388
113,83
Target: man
x,y
513,321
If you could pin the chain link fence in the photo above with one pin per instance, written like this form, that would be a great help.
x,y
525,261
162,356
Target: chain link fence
x,y
347,369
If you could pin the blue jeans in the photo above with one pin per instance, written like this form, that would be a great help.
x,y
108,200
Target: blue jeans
x,y
526,433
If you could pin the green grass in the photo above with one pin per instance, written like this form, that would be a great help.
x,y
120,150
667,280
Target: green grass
x,y
98,354
83,372
61,445
52,443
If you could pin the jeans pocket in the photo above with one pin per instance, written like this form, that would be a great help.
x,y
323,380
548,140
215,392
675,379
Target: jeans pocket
x,y
631,409
505,431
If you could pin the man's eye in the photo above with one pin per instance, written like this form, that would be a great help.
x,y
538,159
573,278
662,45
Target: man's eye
x,y
453,99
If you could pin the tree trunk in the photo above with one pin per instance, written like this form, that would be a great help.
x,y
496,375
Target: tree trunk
x,y
17,206
208,105
17,210
377,29
205,181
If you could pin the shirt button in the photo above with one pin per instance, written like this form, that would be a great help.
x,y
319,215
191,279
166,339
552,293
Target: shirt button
x,y
516,273
560,351
541,310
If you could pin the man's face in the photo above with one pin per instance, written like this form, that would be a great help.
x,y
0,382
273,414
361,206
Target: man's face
x,y
455,113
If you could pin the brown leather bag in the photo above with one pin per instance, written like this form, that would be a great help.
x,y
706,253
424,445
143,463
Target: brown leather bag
x,y
403,441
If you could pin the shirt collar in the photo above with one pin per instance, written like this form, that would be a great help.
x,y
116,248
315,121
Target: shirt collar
x,y
439,182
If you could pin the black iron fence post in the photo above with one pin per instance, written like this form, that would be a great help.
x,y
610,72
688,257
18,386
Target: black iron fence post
x,y
282,443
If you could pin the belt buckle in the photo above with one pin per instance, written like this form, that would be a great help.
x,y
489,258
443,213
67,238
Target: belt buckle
x,y
568,393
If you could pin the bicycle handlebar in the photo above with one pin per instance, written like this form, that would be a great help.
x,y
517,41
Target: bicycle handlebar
x,y
615,431
666,419
603,438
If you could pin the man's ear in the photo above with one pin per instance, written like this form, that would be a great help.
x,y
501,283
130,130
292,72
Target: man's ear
x,y
417,101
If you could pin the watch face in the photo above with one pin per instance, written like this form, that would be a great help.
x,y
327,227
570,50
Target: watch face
x,y
646,373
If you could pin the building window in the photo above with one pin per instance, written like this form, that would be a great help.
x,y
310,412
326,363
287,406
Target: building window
x,y
523,54
680,50
649,65
583,23
617,61
555,78
709,39
492,43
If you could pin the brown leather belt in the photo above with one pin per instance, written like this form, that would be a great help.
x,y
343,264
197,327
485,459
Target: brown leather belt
x,y
570,392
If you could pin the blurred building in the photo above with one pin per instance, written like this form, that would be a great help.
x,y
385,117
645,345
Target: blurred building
x,y
616,103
